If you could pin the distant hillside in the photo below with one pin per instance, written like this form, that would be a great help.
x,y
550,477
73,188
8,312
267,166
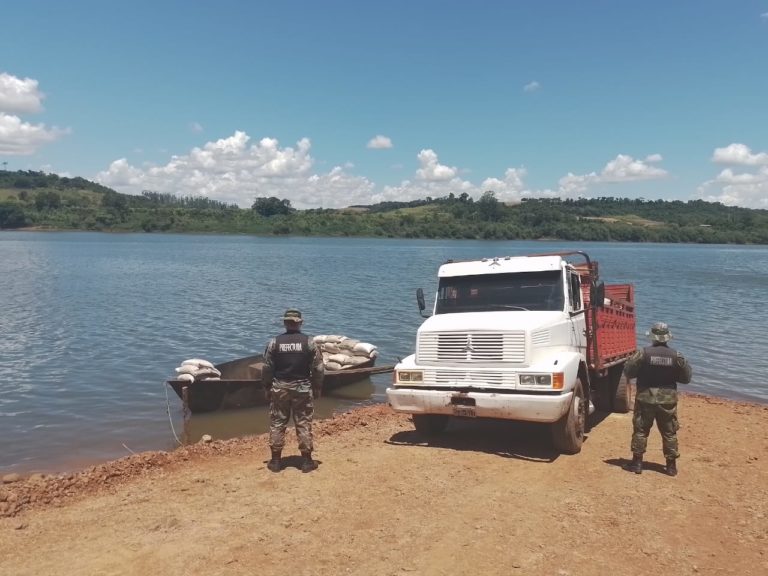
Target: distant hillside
x,y
47,201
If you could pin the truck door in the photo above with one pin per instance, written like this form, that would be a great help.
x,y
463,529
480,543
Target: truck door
x,y
576,312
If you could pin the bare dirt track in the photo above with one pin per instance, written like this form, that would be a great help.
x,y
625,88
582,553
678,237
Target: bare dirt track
x,y
484,498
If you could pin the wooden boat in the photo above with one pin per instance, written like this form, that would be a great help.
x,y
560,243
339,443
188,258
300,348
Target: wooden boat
x,y
241,386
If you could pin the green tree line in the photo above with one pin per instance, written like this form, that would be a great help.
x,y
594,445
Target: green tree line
x,y
46,201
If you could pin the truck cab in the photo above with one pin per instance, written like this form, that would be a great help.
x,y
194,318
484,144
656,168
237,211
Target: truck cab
x,y
508,337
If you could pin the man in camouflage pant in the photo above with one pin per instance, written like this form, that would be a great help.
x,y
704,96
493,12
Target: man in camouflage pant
x,y
658,369
293,368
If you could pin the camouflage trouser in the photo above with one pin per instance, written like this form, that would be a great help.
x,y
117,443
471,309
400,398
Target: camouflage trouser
x,y
665,416
284,402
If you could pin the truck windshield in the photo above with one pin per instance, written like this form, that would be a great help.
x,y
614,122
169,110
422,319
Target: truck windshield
x,y
493,292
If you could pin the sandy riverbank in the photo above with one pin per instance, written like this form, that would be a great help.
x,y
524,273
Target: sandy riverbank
x,y
484,498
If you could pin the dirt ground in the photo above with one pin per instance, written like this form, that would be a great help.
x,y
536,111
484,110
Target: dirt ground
x,y
483,498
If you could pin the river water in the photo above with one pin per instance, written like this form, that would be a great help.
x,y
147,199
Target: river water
x,y
91,324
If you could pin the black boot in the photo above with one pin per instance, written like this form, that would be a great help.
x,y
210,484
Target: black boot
x,y
274,465
308,464
636,465
671,468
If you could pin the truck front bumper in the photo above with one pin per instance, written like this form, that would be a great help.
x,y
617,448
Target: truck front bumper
x,y
527,407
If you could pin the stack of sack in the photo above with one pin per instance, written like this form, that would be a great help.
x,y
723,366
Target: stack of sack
x,y
340,352
197,369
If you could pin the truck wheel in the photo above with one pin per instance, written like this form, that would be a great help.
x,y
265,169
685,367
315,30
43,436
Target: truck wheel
x,y
568,432
430,424
621,396
602,395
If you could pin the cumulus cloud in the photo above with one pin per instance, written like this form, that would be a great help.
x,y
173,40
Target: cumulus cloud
x,y
739,154
379,142
748,189
531,86
235,171
623,168
17,137
431,170
20,96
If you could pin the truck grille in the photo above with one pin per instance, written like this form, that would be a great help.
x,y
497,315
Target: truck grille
x,y
473,378
471,347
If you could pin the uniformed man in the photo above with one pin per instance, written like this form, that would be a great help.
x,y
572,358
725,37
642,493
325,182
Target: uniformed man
x,y
658,368
294,367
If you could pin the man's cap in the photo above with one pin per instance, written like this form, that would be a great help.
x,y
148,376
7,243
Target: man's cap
x,y
659,332
292,315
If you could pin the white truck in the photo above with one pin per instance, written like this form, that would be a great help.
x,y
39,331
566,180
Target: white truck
x,y
534,338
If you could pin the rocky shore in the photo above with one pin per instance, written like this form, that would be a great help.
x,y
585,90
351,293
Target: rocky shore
x,y
485,497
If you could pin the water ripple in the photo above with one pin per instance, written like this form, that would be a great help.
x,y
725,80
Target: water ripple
x,y
94,323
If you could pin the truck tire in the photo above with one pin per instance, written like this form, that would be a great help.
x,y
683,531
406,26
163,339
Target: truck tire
x,y
568,432
602,394
613,391
621,396
430,424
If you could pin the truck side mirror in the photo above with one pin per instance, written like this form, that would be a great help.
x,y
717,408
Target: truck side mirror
x,y
598,295
421,303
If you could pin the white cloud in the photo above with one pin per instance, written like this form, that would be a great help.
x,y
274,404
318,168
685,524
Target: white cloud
x,y
379,142
739,154
746,189
19,138
19,95
196,127
764,15
752,192
510,188
234,171
531,86
623,168
431,170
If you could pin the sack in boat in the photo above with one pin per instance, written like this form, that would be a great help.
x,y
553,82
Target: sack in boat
x,y
197,371
200,363
185,377
332,366
331,348
348,343
206,373
187,369
356,360
363,349
328,338
338,358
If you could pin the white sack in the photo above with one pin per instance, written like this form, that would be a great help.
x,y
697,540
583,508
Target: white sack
x,y
199,362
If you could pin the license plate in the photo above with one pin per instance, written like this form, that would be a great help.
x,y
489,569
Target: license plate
x,y
466,411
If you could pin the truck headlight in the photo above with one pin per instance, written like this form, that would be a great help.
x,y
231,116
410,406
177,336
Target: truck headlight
x,y
536,379
410,376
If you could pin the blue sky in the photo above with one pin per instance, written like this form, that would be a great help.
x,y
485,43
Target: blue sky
x,y
336,103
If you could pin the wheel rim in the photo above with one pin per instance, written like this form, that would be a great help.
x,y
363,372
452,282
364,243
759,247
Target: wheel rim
x,y
580,415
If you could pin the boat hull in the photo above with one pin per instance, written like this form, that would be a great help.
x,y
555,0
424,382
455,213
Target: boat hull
x,y
241,385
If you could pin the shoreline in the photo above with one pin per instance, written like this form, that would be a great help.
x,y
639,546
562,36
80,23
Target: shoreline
x,y
485,497
38,488
79,465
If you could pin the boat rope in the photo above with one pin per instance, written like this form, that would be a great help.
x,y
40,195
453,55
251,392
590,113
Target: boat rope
x,y
168,411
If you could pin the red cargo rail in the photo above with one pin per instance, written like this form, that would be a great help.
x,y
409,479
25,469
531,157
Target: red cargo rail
x,y
611,336
611,333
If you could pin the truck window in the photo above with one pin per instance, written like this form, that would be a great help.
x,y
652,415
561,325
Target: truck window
x,y
494,292
574,291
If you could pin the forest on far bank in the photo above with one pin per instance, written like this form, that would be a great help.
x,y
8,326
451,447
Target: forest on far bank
x,y
37,200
